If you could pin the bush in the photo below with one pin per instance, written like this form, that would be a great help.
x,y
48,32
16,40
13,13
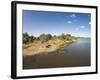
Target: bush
x,y
48,46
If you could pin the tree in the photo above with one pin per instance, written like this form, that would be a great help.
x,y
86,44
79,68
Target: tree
x,y
25,38
32,38
45,37
48,36
68,37
42,38
62,36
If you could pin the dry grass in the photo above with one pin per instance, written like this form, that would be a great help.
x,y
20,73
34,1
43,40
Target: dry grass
x,y
49,46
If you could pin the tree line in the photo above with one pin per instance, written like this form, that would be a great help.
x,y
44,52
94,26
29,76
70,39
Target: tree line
x,y
45,37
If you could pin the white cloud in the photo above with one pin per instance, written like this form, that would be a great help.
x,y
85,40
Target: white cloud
x,y
72,15
89,22
89,15
69,22
82,27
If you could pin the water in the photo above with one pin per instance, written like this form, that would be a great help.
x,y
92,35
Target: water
x,y
75,55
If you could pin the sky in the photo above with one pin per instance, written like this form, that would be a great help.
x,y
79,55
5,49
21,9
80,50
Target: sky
x,y
56,23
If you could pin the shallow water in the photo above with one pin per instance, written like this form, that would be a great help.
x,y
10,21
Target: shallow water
x,y
75,55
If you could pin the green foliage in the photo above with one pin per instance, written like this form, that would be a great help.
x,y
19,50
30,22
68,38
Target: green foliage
x,y
62,36
45,37
32,38
27,38
65,37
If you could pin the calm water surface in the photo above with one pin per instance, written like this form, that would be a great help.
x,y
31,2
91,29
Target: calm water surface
x,y
75,55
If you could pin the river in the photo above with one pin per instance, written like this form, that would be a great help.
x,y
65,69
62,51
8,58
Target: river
x,y
75,55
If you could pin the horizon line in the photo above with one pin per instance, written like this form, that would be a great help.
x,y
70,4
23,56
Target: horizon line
x,y
55,34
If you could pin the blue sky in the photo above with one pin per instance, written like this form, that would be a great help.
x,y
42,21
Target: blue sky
x,y
56,23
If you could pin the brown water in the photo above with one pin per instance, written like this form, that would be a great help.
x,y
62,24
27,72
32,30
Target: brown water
x,y
75,55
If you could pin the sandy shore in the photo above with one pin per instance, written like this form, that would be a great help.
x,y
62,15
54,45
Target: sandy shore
x,y
38,47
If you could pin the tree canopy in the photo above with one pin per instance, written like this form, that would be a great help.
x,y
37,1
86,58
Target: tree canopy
x,y
45,37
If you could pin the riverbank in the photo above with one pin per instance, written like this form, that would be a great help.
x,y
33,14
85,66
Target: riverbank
x,y
37,47
77,54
